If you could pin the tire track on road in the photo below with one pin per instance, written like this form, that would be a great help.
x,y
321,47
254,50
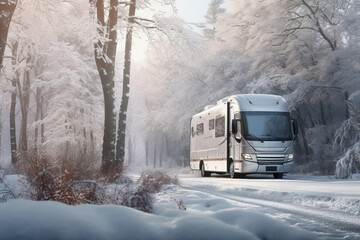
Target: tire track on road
x,y
335,219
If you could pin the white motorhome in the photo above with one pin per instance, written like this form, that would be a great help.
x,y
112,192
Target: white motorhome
x,y
243,134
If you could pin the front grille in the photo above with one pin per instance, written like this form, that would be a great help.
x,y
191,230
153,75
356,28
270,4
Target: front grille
x,y
270,159
270,163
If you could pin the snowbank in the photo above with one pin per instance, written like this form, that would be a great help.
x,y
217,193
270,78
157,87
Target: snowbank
x,y
24,219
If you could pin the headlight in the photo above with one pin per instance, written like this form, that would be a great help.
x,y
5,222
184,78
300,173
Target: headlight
x,y
290,158
247,157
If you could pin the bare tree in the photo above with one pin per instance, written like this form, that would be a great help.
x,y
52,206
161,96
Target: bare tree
x,y
120,144
105,55
321,17
13,107
7,9
24,98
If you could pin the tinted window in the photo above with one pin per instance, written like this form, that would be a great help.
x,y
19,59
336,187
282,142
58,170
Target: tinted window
x,y
220,127
211,124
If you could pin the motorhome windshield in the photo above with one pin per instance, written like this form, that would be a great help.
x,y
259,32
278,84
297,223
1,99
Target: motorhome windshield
x,y
267,126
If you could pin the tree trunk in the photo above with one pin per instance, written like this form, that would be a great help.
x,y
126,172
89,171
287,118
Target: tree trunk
x,y
302,133
7,9
105,54
154,157
85,142
37,116
130,150
13,125
147,152
120,144
25,100
42,127
13,107
161,156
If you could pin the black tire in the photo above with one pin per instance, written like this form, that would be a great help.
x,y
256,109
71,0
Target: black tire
x,y
203,172
233,174
241,175
278,175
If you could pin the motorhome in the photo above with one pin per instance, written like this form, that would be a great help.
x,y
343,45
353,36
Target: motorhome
x,y
244,134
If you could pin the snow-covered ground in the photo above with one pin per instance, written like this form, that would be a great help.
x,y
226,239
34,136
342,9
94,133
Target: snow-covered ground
x,y
258,207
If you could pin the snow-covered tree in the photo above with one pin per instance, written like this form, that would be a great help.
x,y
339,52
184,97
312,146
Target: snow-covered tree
x,y
214,10
7,8
105,55
347,140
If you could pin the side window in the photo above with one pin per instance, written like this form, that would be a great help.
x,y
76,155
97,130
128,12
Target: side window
x,y
220,127
192,132
200,129
211,124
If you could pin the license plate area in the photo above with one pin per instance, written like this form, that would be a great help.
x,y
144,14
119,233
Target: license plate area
x,y
271,169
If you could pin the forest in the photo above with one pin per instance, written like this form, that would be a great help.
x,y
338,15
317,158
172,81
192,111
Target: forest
x,y
96,102
71,92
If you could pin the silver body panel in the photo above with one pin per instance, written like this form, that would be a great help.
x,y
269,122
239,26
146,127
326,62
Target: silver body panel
x,y
267,157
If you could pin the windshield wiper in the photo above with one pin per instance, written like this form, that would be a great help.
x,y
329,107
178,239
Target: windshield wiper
x,y
256,138
274,137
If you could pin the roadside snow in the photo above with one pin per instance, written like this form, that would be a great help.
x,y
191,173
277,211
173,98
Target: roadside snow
x,y
24,219
214,210
321,192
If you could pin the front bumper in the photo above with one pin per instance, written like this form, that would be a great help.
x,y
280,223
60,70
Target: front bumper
x,y
254,167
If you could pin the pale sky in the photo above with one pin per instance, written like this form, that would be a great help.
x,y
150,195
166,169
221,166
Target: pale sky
x,y
192,11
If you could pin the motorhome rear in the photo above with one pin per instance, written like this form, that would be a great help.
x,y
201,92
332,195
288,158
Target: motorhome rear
x,y
243,134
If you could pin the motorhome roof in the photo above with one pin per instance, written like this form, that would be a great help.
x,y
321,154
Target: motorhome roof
x,y
260,102
253,102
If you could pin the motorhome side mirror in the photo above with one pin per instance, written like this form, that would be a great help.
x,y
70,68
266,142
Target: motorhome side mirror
x,y
236,129
295,128
234,126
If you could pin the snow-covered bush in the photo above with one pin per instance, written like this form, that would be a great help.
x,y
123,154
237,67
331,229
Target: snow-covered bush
x,y
140,199
349,163
56,180
149,183
5,191
153,181
347,140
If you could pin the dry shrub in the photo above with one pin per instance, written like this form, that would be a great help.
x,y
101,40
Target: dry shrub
x,y
110,174
5,191
153,181
55,180
149,183
139,199
62,180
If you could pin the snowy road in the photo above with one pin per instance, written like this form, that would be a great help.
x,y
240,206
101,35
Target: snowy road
x,y
328,207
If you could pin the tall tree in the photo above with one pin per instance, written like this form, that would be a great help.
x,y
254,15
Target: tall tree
x,y
13,106
120,144
320,17
105,54
7,9
211,16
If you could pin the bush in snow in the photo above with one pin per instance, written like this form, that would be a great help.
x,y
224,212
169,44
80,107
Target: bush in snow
x,y
150,182
5,191
153,181
56,180
111,175
140,199
347,140
349,163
